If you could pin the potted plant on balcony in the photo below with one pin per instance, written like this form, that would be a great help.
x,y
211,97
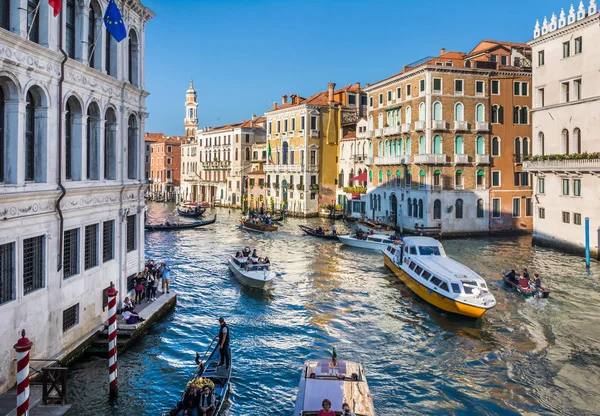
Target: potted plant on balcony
x,y
325,209
261,186
314,187
276,185
300,187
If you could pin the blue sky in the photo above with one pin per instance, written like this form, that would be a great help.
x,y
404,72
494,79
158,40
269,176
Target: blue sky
x,y
245,54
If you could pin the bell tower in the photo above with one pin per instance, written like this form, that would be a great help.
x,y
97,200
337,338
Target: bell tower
x,y
191,109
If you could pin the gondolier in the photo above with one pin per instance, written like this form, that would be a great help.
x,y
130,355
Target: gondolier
x,y
224,344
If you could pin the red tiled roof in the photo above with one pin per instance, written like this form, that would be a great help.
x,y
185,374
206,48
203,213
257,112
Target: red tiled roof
x,y
257,172
159,138
350,135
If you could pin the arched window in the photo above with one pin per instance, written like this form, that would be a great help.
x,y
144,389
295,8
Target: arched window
x,y
458,179
236,154
516,111
36,131
480,208
408,149
409,203
495,146
30,159
370,176
110,54
70,28
480,146
110,145
408,115
437,145
480,179
437,178
541,144
437,110
420,208
422,112
133,63
69,141
380,176
408,178
284,151
380,148
2,123
459,147
401,146
350,176
371,123
370,149
479,113
398,178
415,208
421,145
565,141
132,147
458,208
495,111
247,153
421,179
5,16
459,112
33,20
524,115
525,146
577,141
437,209
518,148
93,142
380,121
94,13
387,148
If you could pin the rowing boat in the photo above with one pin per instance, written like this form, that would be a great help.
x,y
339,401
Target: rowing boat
x,y
314,233
174,227
254,225
544,293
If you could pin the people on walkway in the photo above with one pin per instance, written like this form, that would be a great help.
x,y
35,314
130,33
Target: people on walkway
x,y
150,280
128,305
154,287
225,357
139,288
165,274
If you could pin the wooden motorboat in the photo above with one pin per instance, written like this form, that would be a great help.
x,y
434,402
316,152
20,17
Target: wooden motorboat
x,y
529,292
315,233
259,276
369,241
195,211
339,381
375,226
256,225
207,373
421,263
180,226
278,219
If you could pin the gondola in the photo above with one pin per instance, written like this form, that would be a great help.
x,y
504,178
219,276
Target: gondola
x,y
277,219
173,227
191,213
544,293
208,373
313,232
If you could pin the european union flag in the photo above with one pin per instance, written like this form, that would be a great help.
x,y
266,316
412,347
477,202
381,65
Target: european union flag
x,y
114,21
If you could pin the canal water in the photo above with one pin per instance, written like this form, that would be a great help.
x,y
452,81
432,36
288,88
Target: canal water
x,y
535,356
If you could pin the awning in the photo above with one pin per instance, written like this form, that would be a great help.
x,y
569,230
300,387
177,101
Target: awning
x,y
480,173
362,177
398,107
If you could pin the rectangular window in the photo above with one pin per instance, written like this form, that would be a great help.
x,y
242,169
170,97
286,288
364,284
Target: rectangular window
x,y
458,87
70,317
363,100
495,87
525,89
576,218
541,97
302,123
578,45
496,178
565,90
313,123
504,60
516,209
351,99
577,187
107,241
293,127
285,125
381,99
566,217
408,90
371,102
542,213
517,178
7,272
541,185
131,232
34,266
449,63
389,96
278,126
422,85
577,89
313,157
528,207
71,253
566,49
565,187
496,208
169,149
524,179
479,87
493,58
91,246
517,88
437,85
541,59
398,93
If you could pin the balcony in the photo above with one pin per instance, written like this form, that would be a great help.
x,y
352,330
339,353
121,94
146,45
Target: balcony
x,y
405,128
370,133
312,169
390,160
357,158
419,126
300,132
437,187
518,159
461,159
391,131
283,168
430,159
378,132
169,180
314,133
290,133
459,187
461,126
482,159
482,126
439,125
368,161
575,165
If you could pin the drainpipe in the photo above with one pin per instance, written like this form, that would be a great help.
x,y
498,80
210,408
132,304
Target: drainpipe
x,y
63,190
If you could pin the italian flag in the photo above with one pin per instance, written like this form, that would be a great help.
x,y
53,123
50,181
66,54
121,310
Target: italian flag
x,y
269,157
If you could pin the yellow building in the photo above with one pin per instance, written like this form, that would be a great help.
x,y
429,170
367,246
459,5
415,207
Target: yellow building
x,y
303,136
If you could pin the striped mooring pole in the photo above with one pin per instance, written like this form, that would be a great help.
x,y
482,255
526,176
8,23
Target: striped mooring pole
x,y
22,347
112,340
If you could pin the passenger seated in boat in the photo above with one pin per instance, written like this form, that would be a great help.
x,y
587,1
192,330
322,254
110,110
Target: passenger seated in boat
x,y
167,223
206,402
525,274
346,410
326,410
238,255
266,261
261,260
524,284
512,276
537,283
254,253
246,252
190,400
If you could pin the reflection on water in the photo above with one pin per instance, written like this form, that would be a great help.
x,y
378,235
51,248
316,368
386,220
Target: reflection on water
x,y
525,356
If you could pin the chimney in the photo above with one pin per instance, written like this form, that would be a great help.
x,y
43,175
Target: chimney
x,y
274,106
330,88
293,97
358,85
253,117
284,99
442,51
367,85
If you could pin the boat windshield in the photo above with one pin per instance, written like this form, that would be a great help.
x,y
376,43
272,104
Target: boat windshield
x,y
429,251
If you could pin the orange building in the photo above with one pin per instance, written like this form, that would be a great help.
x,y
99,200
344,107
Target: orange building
x,y
165,163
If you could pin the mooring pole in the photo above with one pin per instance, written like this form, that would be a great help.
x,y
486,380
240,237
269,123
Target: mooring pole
x,y
112,340
587,242
22,347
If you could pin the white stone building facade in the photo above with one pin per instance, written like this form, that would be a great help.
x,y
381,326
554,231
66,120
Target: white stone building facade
x,y
72,209
566,121
354,152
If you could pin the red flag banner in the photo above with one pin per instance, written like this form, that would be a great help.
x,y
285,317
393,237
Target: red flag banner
x,y
55,4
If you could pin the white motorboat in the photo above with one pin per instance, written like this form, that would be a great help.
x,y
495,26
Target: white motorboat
x,y
421,263
340,382
258,276
370,241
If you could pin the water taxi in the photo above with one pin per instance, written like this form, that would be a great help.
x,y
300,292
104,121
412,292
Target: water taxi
x,y
258,276
375,226
257,225
421,263
368,241
340,382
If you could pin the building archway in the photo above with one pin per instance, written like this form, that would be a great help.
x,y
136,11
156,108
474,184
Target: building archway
x,y
393,210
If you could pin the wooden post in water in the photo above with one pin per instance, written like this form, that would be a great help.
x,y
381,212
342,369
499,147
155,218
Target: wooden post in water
x,y
22,347
112,340
587,242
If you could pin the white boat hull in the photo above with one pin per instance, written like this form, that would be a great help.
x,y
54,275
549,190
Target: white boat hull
x,y
366,229
256,279
369,245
